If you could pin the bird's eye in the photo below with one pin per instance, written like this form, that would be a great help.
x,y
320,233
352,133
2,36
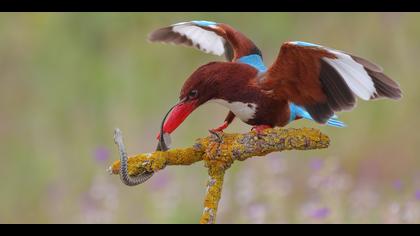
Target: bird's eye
x,y
193,94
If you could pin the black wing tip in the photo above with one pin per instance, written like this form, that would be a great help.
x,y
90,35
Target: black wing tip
x,y
159,34
385,86
367,64
394,94
167,35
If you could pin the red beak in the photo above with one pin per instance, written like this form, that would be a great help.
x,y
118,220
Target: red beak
x,y
178,114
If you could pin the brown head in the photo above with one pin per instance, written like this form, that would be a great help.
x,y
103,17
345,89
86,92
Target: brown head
x,y
211,81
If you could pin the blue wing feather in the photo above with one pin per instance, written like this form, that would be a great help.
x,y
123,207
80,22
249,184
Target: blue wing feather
x,y
255,61
204,23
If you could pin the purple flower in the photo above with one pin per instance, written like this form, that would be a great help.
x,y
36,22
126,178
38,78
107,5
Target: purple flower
x,y
316,164
320,213
398,185
101,154
417,194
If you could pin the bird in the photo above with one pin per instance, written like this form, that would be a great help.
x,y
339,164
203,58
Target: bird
x,y
306,80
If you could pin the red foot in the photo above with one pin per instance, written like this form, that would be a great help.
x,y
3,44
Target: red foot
x,y
221,128
260,128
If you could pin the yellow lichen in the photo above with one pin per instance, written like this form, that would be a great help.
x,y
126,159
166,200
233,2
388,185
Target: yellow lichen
x,y
156,161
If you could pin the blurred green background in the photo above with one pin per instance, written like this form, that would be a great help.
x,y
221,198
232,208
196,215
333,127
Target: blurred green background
x,y
68,79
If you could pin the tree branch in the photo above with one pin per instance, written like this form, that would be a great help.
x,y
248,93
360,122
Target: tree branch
x,y
219,151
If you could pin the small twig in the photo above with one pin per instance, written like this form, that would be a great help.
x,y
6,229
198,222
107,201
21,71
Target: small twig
x,y
213,194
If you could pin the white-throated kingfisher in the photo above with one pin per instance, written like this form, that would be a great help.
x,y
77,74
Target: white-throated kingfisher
x,y
306,80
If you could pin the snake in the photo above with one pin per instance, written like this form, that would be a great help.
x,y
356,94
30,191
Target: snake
x,y
144,176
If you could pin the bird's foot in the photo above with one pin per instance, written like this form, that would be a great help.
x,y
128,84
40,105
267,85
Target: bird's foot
x,y
220,128
259,129
217,135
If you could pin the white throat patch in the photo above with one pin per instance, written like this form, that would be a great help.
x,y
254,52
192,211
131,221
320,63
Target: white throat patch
x,y
244,111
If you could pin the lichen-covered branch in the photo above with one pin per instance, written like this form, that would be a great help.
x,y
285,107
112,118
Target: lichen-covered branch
x,y
219,151
213,194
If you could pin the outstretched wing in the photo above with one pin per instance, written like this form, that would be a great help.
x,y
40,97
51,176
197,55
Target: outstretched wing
x,y
325,80
209,37
203,35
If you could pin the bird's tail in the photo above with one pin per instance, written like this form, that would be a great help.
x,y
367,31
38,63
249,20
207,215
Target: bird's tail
x,y
335,122
301,112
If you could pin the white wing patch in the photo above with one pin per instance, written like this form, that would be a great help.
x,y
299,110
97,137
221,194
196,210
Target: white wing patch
x,y
353,74
207,41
